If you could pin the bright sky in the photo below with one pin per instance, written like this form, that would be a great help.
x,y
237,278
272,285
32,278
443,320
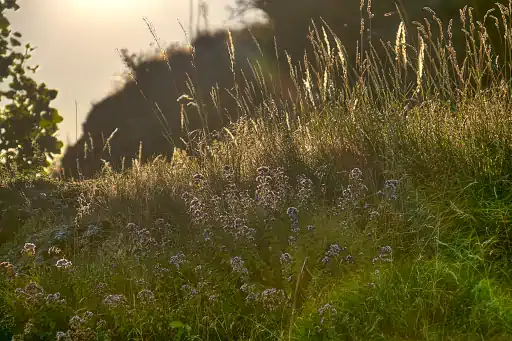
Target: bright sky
x,y
76,43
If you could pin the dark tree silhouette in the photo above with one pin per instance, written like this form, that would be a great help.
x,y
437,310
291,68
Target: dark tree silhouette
x,y
344,17
147,110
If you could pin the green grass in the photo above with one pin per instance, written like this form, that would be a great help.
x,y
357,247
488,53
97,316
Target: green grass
x,y
402,229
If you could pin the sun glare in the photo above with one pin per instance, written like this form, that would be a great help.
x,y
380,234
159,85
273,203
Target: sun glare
x,y
105,4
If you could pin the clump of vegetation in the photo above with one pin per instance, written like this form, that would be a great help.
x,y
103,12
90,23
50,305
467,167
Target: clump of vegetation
x,y
28,123
369,210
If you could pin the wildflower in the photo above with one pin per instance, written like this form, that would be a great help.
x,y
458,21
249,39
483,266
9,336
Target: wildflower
x,y
33,289
286,258
246,287
262,171
237,264
305,190
327,308
178,260
87,315
327,312
76,322
377,272
334,250
295,227
28,328
101,287
291,240
63,263
349,259
355,174
252,297
249,233
292,213
101,324
392,186
54,251
54,299
212,298
272,298
140,282
92,230
190,291
114,301
29,249
131,226
371,285
310,227
228,173
228,170
160,271
7,269
198,178
61,336
386,250
146,296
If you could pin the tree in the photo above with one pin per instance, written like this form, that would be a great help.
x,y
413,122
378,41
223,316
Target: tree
x,y
28,123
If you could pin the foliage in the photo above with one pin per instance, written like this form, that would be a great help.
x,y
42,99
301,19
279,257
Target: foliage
x,y
28,123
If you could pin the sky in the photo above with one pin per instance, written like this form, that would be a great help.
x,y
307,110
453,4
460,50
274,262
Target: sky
x,y
77,42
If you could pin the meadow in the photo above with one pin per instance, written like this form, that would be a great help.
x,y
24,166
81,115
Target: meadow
x,y
374,203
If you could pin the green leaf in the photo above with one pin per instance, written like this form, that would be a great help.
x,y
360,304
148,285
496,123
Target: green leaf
x,y
57,118
10,94
177,324
52,94
10,4
4,23
15,42
53,116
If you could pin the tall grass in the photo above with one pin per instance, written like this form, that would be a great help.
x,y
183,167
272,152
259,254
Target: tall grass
x,y
369,202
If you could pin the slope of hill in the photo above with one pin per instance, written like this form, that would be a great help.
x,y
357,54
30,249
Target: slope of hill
x,y
353,213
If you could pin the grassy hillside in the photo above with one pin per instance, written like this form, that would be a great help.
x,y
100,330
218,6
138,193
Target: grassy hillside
x,y
376,206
